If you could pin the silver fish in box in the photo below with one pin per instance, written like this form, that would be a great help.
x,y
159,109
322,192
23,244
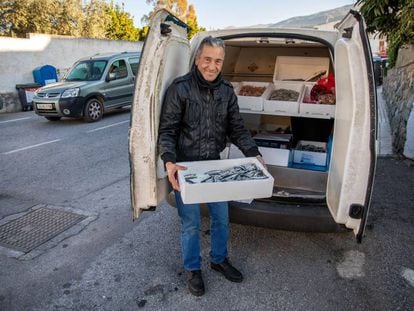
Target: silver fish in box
x,y
237,173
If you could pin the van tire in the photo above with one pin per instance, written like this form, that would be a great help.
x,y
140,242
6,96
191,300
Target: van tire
x,y
93,110
53,118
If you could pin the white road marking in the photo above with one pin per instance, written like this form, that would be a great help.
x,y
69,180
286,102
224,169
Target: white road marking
x,y
32,146
408,274
351,266
13,120
105,127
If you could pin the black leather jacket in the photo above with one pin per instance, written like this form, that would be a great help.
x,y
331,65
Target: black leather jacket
x,y
196,119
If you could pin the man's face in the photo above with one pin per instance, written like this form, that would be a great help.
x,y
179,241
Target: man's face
x,y
210,62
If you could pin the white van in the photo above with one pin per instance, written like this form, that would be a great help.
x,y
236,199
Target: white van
x,y
308,196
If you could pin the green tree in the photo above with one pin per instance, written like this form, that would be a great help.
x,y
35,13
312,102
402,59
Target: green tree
x,y
143,33
69,18
24,16
20,17
13,17
192,22
391,18
93,19
121,25
96,19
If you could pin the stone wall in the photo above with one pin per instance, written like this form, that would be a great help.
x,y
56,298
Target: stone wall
x,y
398,91
18,58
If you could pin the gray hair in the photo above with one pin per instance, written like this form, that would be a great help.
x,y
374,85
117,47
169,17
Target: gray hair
x,y
210,41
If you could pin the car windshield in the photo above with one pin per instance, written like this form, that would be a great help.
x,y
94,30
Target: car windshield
x,y
89,70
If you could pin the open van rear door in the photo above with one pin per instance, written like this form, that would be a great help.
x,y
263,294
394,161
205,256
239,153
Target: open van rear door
x,y
165,56
353,159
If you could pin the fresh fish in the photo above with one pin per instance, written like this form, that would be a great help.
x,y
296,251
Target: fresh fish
x,y
237,173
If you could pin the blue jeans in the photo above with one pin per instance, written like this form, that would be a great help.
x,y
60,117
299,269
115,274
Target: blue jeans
x,y
190,232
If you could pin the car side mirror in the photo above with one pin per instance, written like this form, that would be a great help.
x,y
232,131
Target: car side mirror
x,y
110,77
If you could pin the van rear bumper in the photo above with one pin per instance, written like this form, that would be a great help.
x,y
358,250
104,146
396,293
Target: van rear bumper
x,y
291,217
299,217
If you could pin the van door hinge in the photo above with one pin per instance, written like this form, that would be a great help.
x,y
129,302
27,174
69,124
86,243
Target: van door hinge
x,y
165,29
175,20
347,33
356,211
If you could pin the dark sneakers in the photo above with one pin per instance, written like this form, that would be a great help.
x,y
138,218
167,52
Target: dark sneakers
x,y
195,282
229,272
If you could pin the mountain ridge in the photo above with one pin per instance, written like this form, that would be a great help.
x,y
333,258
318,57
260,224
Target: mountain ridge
x,y
312,20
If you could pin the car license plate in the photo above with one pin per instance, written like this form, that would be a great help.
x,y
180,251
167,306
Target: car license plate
x,y
44,106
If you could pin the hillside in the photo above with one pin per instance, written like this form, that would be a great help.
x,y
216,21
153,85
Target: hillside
x,y
309,21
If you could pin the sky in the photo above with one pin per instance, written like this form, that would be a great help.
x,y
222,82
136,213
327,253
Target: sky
x,y
215,14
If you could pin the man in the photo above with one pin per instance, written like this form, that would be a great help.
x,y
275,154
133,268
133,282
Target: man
x,y
199,112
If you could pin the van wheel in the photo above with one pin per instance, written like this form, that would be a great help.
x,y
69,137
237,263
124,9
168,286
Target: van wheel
x,y
93,110
53,118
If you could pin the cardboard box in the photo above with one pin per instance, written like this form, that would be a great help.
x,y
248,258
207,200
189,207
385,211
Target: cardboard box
x,y
310,157
281,141
271,156
282,106
275,124
253,103
223,191
316,110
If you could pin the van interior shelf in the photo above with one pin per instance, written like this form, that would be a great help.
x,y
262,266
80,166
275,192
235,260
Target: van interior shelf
x,y
248,75
289,114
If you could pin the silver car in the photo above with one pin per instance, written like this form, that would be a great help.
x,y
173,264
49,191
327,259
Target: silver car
x,y
93,85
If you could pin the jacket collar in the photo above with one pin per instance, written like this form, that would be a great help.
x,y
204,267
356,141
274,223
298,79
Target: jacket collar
x,y
204,83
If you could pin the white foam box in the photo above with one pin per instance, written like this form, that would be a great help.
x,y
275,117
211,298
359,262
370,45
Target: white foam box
x,y
289,68
253,103
271,156
235,84
309,157
281,106
316,110
223,191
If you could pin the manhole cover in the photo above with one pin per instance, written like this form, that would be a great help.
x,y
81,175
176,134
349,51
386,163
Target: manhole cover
x,y
35,228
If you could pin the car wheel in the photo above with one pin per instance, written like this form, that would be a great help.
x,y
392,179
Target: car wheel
x,y
53,118
93,110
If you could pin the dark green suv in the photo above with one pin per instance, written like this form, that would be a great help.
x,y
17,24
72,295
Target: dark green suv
x,y
93,85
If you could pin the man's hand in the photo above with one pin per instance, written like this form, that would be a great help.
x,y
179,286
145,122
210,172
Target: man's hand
x,y
261,161
172,169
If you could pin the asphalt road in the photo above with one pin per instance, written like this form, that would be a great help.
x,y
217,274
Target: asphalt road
x,y
107,262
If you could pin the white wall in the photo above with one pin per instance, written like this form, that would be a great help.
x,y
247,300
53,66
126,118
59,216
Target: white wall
x,y
18,57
